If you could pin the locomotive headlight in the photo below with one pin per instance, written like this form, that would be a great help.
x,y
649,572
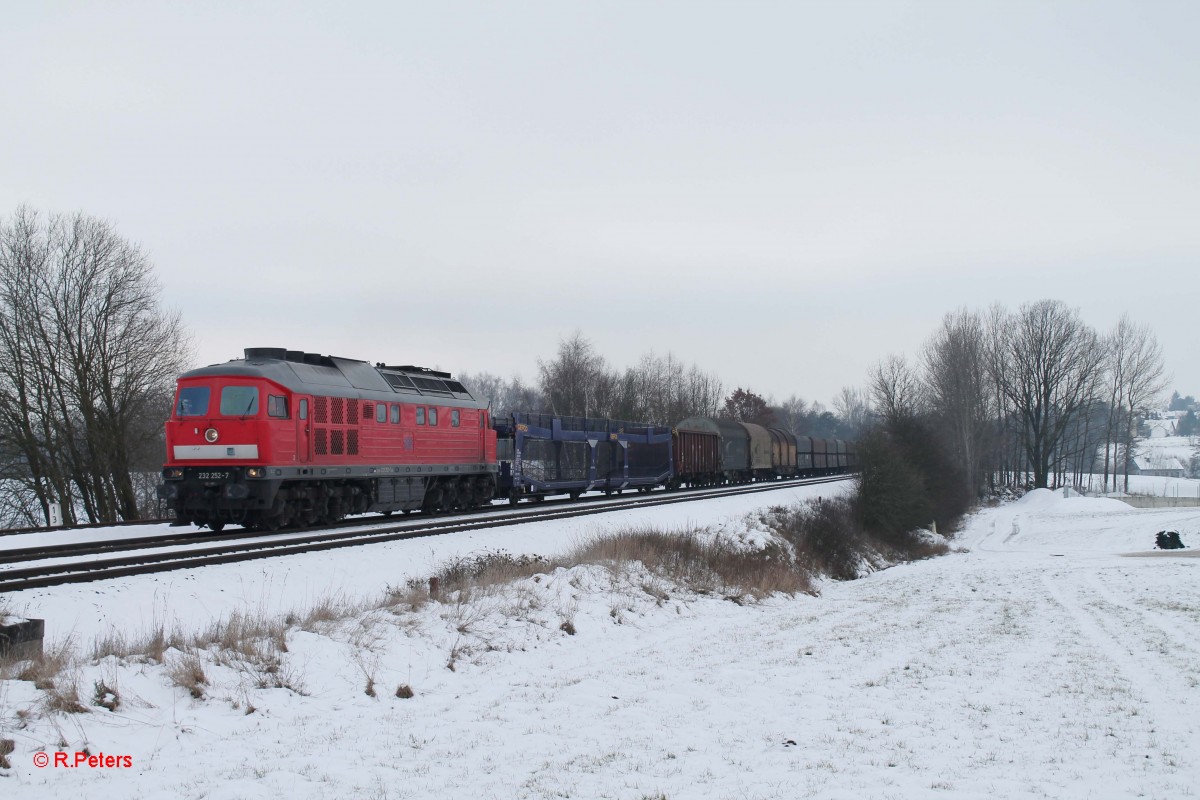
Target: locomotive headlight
x,y
254,472
211,435
174,473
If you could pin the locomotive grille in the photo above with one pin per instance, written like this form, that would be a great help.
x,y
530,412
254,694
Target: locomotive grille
x,y
321,410
320,446
339,411
351,412
352,442
337,441
368,412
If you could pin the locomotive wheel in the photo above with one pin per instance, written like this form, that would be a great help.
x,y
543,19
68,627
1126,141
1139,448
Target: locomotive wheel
x,y
433,500
453,498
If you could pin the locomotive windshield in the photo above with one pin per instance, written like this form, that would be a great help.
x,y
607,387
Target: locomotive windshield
x,y
193,402
239,401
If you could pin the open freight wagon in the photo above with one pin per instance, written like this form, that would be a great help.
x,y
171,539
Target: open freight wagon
x,y
542,455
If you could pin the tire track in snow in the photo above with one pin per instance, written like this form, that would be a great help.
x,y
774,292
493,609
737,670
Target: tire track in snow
x,y
1146,673
1138,619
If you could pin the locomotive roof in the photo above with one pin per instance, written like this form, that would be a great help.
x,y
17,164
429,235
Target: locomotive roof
x,y
309,373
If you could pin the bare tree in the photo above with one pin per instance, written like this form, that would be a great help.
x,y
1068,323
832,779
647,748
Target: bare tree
x,y
504,396
854,408
1135,377
88,357
895,388
959,392
577,381
792,415
1047,364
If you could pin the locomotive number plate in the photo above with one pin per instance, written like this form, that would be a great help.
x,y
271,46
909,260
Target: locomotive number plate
x,y
219,475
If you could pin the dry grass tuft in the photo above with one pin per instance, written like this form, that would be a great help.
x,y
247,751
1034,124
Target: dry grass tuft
x,y
702,566
404,691
498,568
243,634
63,695
187,672
327,610
411,597
152,645
6,748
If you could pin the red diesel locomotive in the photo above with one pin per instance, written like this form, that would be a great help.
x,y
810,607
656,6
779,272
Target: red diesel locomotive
x,y
284,438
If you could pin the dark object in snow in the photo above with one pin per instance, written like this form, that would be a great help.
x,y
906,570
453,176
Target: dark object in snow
x,y
1168,540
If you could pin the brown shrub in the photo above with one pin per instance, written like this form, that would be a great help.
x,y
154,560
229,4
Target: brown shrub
x,y
187,672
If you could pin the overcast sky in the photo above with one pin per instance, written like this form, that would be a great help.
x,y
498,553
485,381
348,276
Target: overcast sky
x,y
781,192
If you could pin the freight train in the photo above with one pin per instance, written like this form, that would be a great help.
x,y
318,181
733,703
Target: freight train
x,y
283,437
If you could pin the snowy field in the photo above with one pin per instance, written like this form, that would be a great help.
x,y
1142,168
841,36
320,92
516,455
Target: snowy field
x,y
1042,661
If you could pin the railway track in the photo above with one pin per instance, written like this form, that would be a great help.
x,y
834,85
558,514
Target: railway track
x,y
91,561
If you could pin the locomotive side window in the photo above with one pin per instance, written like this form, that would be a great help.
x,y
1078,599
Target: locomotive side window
x,y
277,406
304,408
433,416
395,414
381,412
454,418
193,402
239,401
420,416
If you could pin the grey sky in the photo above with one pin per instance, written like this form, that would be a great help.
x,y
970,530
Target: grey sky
x,y
781,192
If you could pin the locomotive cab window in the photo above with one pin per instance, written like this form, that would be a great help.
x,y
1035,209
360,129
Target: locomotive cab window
x,y
277,406
193,402
454,418
420,416
239,401
304,408
433,416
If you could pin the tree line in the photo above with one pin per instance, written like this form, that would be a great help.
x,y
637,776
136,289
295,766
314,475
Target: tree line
x,y
577,381
1028,397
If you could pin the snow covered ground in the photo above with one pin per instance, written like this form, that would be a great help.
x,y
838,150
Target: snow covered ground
x,y
1040,662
